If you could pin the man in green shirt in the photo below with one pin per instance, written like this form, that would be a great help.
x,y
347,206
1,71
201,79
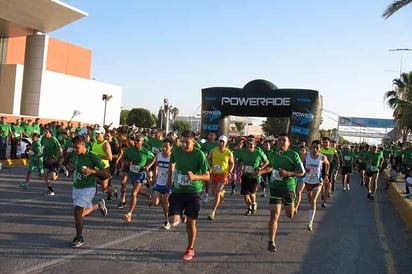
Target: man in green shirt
x,y
285,166
188,169
52,153
374,161
17,132
5,132
35,152
347,160
85,166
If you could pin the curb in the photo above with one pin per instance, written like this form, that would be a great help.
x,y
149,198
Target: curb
x,y
402,204
14,162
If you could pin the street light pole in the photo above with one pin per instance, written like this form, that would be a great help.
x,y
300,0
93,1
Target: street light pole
x,y
166,109
105,98
401,50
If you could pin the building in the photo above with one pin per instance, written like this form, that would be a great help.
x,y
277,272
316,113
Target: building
x,y
47,78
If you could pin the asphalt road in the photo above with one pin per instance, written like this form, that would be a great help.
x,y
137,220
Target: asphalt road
x,y
352,235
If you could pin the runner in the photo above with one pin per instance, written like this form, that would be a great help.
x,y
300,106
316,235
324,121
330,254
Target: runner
x,y
206,148
52,152
161,191
140,160
315,162
374,160
285,165
221,162
35,152
332,155
300,180
188,169
347,160
252,161
85,166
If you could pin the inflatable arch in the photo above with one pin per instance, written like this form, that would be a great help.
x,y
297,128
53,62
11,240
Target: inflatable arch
x,y
261,98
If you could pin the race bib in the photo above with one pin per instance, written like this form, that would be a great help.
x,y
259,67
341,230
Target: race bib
x,y
135,168
276,175
155,150
217,168
163,175
183,180
249,169
347,158
313,177
373,168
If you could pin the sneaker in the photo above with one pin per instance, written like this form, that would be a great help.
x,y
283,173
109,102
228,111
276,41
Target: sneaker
x,y
347,188
271,246
189,254
232,192
344,188
324,205
263,195
102,207
121,205
371,197
248,212
310,226
127,218
109,197
77,241
24,185
254,208
167,226
50,193
211,216
116,192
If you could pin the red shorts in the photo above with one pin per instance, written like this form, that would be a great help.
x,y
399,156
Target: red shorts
x,y
310,187
220,178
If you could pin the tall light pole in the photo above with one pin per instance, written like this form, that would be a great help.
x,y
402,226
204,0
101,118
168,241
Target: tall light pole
x,y
166,110
401,50
105,98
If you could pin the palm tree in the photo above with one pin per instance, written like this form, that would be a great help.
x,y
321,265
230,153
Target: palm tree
x,y
400,100
394,7
174,111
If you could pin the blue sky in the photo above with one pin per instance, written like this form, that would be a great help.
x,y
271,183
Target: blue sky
x,y
172,49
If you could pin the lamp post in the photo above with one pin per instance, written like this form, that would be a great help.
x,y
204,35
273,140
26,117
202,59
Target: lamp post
x,y
166,111
105,98
401,50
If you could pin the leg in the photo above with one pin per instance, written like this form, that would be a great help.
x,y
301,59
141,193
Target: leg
x,y
191,232
299,190
136,188
273,222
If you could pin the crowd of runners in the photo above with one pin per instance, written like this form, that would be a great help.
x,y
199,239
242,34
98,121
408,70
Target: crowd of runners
x,y
179,171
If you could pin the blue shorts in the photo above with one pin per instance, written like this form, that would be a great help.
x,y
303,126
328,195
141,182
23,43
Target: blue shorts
x,y
137,178
162,189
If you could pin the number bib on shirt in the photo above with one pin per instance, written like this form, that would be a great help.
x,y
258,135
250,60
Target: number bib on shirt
x,y
217,168
313,177
135,168
183,180
249,169
347,158
276,175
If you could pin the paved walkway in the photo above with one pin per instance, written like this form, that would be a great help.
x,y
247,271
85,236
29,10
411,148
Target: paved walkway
x,y
352,235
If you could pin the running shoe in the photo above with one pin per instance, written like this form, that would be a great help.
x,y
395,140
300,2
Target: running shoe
x,y
344,188
102,207
50,193
232,192
127,218
116,192
310,226
109,197
271,246
371,197
348,187
248,212
324,205
167,226
211,216
24,185
189,254
254,208
263,195
77,241
121,205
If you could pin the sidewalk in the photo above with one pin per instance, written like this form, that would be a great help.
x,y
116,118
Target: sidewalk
x,y
402,204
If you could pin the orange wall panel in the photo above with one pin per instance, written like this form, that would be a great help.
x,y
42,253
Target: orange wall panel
x,y
16,47
69,59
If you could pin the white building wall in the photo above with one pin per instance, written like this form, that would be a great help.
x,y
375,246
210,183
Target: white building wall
x,y
62,94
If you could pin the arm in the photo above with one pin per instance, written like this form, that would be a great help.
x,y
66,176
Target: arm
x,y
108,150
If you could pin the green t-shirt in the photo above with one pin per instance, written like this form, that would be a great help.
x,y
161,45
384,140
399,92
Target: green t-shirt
x,y
251,161
348,158
289,161
51,147
17,131
208,146
90,160
37,150
5,129
407,156
138,158
373,160
155,144
36,128
28,129
194,161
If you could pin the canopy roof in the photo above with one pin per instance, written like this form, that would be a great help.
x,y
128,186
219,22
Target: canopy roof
x,y
23,17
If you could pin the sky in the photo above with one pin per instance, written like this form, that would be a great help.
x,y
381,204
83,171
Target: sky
x,y
172,49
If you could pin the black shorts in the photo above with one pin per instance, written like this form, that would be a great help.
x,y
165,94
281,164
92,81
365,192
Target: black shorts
x,y
54,167
106,176
371,173
346,170
248,185
278,196
189,203
362,166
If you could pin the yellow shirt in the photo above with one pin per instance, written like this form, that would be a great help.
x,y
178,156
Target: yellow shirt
x,y
220,161
98,149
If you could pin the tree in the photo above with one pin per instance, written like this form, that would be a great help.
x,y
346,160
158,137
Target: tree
x,y
240,127
123,116
181,126
174,112
394,7
275,126
161,118
141,117
400,100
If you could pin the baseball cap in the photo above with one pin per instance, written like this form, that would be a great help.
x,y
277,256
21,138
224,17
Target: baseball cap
x,y
100,130
223,138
